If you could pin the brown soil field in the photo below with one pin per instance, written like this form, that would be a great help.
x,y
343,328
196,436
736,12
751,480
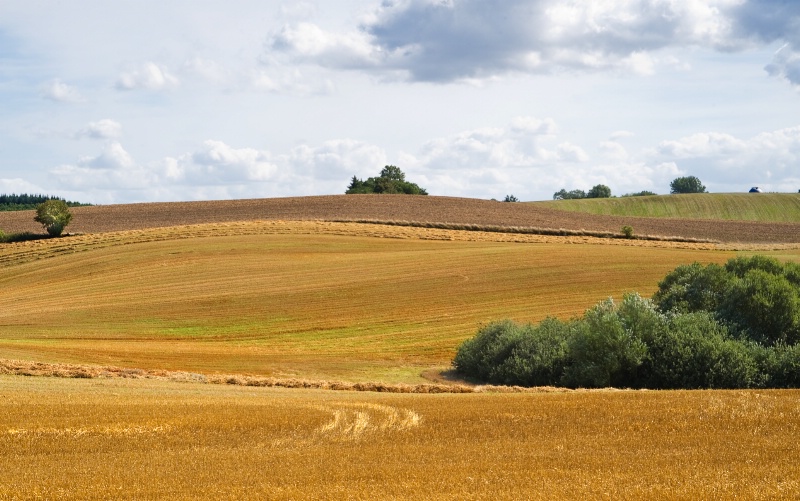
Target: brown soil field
x,y
400,208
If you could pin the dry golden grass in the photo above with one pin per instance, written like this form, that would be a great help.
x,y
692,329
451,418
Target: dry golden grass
x,y
143,439
309,299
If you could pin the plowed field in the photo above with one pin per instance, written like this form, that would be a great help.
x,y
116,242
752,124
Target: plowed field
x,y
400,208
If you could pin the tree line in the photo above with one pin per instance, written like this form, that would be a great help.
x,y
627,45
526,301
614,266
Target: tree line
x,y
731,326
27,201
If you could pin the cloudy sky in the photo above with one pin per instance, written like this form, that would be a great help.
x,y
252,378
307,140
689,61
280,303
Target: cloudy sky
x,y
141,100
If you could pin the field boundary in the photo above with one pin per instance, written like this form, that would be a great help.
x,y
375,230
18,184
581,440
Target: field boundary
x,y
526,230
84,371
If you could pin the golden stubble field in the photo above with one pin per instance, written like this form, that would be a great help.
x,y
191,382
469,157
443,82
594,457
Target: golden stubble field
x,y
355,303
117,439
318,300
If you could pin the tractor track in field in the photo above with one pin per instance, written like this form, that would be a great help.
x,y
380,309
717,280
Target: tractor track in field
x,y
402,208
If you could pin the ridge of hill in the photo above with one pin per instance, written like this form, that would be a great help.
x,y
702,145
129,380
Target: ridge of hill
x,y
764,207
104,218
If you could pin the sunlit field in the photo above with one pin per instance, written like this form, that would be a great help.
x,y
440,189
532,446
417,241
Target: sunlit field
x,y
350,306
293,300
118,439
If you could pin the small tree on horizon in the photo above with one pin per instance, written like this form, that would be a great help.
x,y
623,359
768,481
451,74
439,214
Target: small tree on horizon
x,y
688,184
599,191
392,180
54,215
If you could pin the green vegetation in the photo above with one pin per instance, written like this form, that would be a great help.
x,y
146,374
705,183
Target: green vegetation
x,y
391,180
597,191
732,326
511,198
770,207
643,193
25,201
627,231
688,184
54,215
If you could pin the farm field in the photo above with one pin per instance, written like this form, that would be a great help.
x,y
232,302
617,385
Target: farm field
x,y
133,439
775,207
315,300
145,305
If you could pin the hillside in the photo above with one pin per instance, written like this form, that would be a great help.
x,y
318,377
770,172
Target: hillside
x,y
764,207
98,219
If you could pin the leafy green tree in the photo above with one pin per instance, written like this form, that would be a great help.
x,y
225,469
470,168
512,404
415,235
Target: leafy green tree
x,y
511,198
54,215
688,184
599,191
563,194
643,193
392,180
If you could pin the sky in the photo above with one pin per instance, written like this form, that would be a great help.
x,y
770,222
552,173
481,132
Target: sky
x,y
171,100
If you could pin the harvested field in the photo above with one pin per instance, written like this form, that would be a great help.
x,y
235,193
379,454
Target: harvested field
x,y
338,301
145,439
401,208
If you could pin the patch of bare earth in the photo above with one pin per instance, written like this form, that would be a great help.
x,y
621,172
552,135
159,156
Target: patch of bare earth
x,y
420,209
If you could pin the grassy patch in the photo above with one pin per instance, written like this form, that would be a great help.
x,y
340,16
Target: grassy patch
x,y
767,207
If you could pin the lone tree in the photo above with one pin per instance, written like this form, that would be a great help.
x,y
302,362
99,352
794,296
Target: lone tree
x,y
391,180
688,184
599,191
54,216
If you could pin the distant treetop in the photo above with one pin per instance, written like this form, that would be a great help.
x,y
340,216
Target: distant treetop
x,y
26,201
688,184
391,180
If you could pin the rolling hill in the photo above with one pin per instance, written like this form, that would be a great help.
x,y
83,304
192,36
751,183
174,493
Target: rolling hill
x,y
98,219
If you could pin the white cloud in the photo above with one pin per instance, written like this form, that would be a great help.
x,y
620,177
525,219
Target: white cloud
x,y
729,162
102,129
308,42
113,156
469,40
56,90
148,76
18,185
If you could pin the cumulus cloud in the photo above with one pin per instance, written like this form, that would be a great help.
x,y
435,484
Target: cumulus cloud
x,y
102,129
148,76
441,41
730,162
56,90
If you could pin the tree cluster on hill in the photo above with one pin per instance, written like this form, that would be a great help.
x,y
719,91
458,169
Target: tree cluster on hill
x,y
26,201
643,193
597,191
688,184
391,180
732,326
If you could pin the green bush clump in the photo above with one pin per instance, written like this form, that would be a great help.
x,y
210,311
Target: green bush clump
x,y
732,326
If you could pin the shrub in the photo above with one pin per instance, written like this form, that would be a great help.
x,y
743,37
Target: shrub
x,y
627,231
482,356
764,307
604,352
541,355
695,351
54,215
693,287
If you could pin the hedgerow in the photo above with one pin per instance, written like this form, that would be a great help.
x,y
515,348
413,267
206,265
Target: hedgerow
x,y
732,326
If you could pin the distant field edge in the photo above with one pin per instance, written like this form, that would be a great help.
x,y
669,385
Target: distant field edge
x,y
428,209
763,207
84,371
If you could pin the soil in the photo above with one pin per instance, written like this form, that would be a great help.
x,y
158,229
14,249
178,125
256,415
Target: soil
x,y
430,209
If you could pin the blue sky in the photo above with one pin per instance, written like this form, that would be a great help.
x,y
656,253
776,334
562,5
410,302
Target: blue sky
x,y
136,101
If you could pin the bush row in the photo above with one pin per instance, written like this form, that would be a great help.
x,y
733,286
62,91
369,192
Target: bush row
x,y
707,327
